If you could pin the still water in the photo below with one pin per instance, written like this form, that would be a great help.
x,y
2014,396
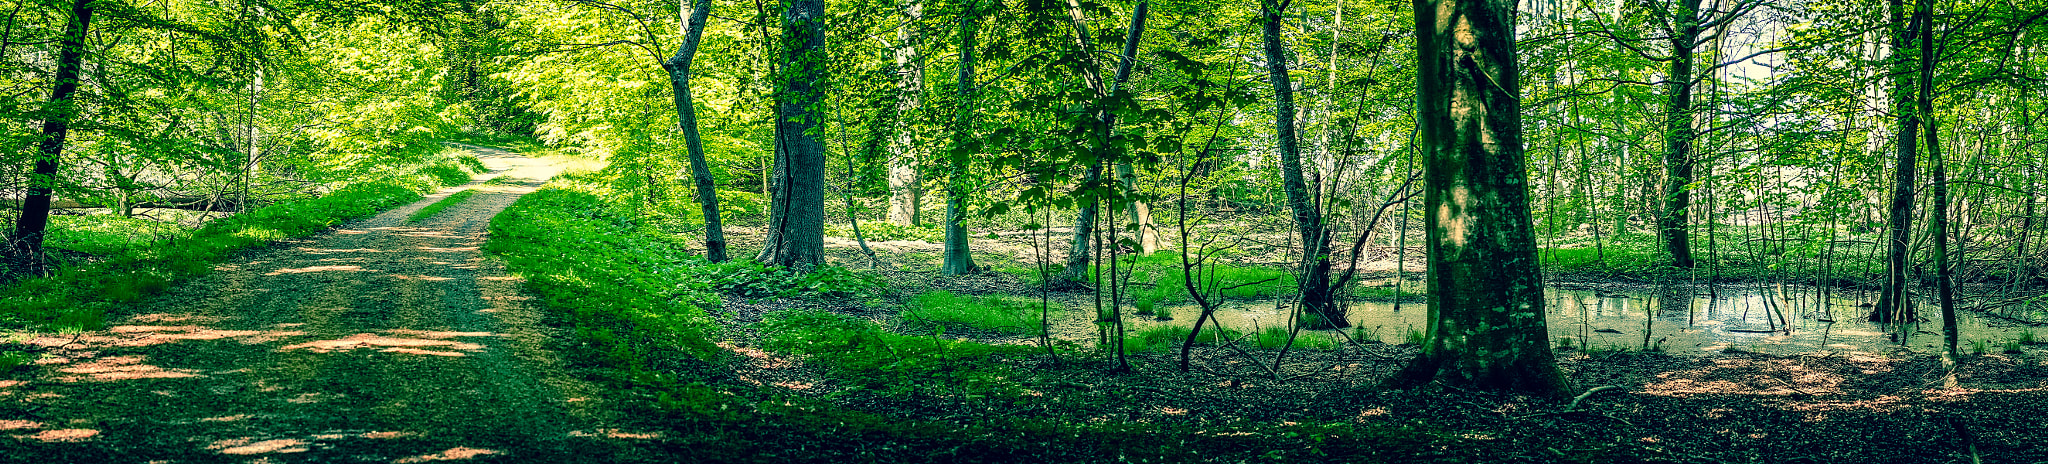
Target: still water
x,y
1680,320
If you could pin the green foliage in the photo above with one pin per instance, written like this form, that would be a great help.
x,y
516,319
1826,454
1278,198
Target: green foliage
x,y
633,296
108,234
883,231
992,313
437,206
748,279
1979,346
862,352
2027,337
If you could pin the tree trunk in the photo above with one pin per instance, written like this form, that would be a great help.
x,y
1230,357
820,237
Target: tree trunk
x,y
959,260
796,221
1317,301
35,209
906,197
1679,134
695,14
1893,305
1084,220
1486,320
1944,283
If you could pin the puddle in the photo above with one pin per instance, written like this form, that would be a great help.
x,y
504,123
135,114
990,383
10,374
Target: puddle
x,y
1680,320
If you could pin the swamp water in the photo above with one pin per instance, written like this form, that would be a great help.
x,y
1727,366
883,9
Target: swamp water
x,y
1680,320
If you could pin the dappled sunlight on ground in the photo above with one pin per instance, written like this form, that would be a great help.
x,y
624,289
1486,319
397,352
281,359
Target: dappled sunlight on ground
x,y
1747,376
616,434
452,454
245,446
386,344
302,270
121,368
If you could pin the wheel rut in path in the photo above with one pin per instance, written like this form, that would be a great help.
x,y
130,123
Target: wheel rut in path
x,y
381,341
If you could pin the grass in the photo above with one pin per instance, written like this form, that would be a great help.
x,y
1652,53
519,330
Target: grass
x,y
444,203
633,299
1743,253
998,314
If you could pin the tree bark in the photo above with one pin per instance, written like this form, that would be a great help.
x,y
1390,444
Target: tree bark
x,y
1486,321
959,260
1893,305
1679,134
796,221
906,197
695,14
35,209
1944,283
1317,300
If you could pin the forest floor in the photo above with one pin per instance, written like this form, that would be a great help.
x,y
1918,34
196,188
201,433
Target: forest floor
x,y
1825,406
384,340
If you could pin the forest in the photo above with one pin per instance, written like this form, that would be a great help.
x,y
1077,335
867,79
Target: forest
x,y
1674,231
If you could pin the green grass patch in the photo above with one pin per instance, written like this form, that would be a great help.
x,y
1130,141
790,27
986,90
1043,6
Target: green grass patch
x,y
633,297
108,234
444,203
993,313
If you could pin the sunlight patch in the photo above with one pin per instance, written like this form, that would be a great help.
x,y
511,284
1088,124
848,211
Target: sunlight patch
x,y
370,340
242,446
65,435
452,454
302,270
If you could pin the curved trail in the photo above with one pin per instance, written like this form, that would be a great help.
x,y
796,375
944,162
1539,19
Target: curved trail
x,y
381,341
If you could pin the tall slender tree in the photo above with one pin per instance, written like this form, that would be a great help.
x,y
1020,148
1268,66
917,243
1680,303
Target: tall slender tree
x,y
1486,320
62,107
906,196
1893,305
1317,297
695,13
958,258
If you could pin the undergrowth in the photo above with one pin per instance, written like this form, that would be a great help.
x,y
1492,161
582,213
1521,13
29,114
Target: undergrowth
x,y
634,300
992,313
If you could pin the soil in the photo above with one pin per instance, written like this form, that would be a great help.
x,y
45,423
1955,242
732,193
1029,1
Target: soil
x,y
381,341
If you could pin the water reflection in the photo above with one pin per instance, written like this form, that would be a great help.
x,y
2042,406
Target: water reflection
x,y
1779,319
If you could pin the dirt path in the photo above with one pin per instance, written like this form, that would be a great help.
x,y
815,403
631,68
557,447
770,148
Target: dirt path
x,y
381,341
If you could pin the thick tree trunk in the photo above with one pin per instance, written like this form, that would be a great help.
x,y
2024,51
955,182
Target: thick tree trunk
x,y
906,197
959,260
1679,134
1316,295
35,209
796,221
695,13
1486,320
1893,305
